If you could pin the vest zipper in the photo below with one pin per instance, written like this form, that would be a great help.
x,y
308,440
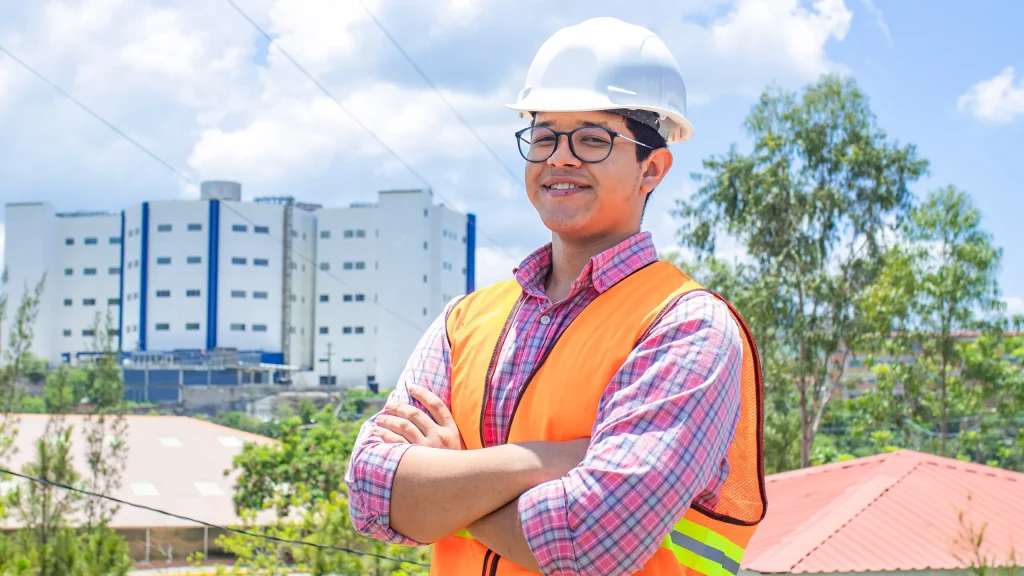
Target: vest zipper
x,y
493,363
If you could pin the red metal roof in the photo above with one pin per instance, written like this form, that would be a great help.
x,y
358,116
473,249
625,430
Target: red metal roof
x,y
891,512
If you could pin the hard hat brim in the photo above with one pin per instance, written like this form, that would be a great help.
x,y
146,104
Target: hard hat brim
x,y
570,100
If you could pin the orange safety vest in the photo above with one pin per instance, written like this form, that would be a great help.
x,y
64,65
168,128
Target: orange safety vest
x,y
560,402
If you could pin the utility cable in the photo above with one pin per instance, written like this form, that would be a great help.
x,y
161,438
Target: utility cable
x,y
204,523
270,39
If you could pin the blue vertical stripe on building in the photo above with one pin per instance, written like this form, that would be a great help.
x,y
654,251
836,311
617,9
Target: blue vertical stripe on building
x,y
212,260
470,253
144,276
120,293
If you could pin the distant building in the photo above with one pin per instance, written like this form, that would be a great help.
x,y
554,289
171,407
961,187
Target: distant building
x,y
335,296
174,463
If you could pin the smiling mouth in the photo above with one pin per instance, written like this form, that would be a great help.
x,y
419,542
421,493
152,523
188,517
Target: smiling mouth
x,y
565,189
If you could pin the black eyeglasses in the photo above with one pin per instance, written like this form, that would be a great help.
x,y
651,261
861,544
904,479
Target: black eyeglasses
x,y
587,143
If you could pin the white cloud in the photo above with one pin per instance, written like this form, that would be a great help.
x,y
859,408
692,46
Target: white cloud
x,y
760,42
995,100
1014,305
195,83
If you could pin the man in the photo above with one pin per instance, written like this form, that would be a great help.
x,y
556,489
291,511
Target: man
x,y
600,414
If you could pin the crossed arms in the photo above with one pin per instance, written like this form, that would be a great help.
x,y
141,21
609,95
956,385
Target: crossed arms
x,y
663,427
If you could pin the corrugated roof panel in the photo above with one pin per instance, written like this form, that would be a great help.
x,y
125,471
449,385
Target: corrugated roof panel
x,y
900,514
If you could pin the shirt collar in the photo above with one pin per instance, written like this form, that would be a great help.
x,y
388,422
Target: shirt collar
x,y
603,271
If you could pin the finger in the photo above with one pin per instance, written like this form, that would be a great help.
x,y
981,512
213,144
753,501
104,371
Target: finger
x,y
415,415
387,436
402,427
434,405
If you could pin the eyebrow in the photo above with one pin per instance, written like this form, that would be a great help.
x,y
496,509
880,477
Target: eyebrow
x,y
549,123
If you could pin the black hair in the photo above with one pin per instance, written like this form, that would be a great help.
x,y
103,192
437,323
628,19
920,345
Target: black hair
x,y
643,133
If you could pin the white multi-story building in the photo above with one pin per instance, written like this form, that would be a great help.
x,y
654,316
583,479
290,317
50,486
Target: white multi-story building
x,y
340,294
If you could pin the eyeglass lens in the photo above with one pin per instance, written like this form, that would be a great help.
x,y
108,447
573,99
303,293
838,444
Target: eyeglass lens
x,y
589,143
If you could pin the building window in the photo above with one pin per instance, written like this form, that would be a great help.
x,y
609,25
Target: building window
x,y
195,227
113,301
346,330
112,332
238,293
238,261
113,270
239,228
68,271
192,326
349,233
323,329
67,333
347,266
424,244
325,234
360,233
325,298
163,228
325,265
163,293
347,297
261,229
424,278
115,239
191,293
424,311
260,262
88,332
258,327
163,260
69,241
359,329
88,301
295,234
292,298
424,212
238,327
194,260
89,271
163,327
360,265
90,241
259,296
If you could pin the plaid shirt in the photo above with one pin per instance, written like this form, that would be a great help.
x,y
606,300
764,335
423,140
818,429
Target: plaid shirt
x,y
663,426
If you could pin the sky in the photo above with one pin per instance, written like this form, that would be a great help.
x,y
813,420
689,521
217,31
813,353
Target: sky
x,y
196,84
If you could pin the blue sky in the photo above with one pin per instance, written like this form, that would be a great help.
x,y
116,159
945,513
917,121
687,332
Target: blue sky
x,y
194,82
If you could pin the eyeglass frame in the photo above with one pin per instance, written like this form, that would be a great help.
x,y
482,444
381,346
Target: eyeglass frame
x,y
568,135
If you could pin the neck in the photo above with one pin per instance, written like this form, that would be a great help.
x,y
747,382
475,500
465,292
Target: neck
x,y
570,255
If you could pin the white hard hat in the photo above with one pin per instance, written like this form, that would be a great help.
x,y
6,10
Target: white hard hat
x,y
605,64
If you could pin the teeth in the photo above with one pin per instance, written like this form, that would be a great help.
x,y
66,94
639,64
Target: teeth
x,y
562,186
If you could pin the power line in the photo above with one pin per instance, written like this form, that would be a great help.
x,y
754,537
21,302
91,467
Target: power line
x,y
188,179
204,523
516,179
270,39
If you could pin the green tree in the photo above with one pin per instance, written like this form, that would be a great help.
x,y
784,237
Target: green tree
x,y
936,346
300,482
811,205
17,358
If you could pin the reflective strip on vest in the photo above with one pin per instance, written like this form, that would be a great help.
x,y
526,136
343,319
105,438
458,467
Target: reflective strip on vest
x,y
696,547
704,550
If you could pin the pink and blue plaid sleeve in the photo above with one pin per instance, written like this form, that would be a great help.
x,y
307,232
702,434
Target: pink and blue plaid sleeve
x,y
371,469
662,432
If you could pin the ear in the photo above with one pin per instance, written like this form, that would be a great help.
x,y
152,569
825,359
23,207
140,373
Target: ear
x,y
654,170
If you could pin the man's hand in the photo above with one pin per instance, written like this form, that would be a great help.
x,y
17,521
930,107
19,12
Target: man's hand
x,y
408,424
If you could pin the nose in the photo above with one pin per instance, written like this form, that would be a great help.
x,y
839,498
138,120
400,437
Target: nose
x,y
563,155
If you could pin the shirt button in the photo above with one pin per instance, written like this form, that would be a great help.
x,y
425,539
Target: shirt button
x,y
545,320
